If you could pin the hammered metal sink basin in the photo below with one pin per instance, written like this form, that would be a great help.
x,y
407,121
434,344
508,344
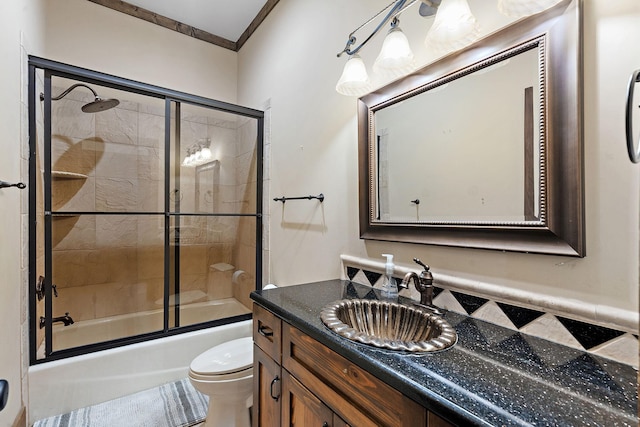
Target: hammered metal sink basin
x,y
389,325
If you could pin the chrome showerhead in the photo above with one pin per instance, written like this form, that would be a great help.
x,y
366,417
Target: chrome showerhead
x,y
99,104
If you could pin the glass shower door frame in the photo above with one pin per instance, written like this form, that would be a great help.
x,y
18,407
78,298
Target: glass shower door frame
x,y
171,97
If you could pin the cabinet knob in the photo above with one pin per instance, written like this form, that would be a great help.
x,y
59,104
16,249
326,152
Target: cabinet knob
x,y
325,424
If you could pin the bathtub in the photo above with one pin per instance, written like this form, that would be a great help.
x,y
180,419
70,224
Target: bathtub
x,y
127,325
63,385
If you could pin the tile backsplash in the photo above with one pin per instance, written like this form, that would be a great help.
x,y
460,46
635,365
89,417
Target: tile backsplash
x,y
607,342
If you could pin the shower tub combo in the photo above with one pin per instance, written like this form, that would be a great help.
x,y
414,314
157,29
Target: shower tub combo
x,y
141,200
63,385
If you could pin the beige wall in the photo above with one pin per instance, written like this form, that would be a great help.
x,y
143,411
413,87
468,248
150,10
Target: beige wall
x,y
20,24
291,60
84,34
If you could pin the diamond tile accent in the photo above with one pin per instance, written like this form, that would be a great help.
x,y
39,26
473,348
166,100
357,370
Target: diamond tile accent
x,y
548,327
372,277
351,272
360,278
587,334
519,316
449,302
492,313
623,349
469,302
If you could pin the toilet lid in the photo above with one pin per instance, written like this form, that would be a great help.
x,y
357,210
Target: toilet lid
x,y
231,356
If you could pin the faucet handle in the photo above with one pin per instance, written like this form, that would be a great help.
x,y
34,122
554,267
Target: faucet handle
x,y
425,266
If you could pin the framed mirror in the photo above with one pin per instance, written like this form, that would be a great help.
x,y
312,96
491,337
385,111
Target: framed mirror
x,y
482,148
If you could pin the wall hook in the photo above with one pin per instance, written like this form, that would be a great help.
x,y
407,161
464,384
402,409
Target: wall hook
x,y
5,184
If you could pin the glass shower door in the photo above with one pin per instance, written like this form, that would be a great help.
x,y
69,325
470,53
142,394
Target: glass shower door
x,y
145,211
212,182
104,216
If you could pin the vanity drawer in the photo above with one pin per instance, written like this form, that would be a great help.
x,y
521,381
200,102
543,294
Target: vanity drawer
x,y
336,381
267,332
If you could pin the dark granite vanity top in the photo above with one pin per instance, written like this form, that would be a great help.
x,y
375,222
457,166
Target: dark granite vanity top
x,y
492,376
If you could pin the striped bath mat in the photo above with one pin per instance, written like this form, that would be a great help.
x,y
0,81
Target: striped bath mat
x,y
175,404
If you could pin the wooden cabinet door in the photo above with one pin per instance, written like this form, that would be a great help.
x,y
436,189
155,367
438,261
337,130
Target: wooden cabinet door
x,y
301,408
267,390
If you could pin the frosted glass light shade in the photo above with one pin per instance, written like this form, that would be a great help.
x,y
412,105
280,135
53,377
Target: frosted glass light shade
x,y
454,27
354,80
520,8
395,57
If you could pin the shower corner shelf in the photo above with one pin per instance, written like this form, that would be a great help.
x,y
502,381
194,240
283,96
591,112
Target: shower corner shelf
x,y
67,175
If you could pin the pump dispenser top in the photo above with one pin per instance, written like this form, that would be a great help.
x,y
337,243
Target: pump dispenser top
x,y
389,286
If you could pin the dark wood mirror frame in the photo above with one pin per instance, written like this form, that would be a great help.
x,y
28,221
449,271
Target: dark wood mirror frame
x,y
560,230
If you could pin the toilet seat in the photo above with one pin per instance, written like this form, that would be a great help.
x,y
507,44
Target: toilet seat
x,y
224,377
231,359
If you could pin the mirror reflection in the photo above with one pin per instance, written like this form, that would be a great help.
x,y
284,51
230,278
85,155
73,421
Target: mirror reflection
x,y
475,159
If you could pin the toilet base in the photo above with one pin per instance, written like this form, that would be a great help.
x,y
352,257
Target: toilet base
x,y
222,414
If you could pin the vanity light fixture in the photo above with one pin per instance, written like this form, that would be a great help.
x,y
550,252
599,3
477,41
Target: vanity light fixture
x,y
198,153
453,28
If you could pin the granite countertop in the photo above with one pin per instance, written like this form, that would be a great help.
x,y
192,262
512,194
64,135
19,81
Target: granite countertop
x,y
492,376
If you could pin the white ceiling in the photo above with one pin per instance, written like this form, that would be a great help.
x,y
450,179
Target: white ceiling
x,y
224,18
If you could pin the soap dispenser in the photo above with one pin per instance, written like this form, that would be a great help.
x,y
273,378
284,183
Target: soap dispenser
x,y
389,285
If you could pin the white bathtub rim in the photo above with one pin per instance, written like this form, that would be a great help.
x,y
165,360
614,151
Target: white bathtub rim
x,y
60,386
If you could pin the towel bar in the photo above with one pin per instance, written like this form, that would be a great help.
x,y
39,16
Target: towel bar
x,y
5,184
284,199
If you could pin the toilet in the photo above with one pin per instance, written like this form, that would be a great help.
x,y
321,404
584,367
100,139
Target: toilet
x,y
224,373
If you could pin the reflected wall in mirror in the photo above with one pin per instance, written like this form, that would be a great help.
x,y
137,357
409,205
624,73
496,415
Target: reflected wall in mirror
x,y
207,187
482,148
476,160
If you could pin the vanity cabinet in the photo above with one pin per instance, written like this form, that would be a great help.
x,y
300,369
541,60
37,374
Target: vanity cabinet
x,y
301,382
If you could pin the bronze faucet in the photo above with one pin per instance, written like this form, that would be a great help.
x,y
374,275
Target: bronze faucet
x,y
422,282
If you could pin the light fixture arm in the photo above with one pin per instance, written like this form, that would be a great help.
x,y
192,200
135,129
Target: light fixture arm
x,y
397,7
66,92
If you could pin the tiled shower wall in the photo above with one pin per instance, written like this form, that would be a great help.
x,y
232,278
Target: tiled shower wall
x,y
113,161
